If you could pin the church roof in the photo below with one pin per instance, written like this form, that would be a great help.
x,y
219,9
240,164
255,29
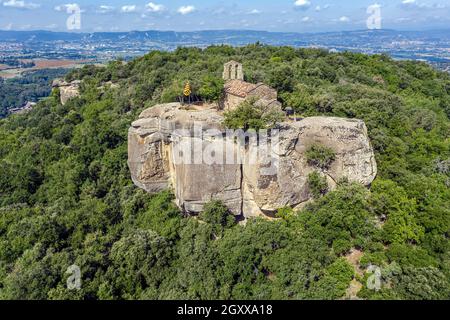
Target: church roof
x,y
239,88
242,88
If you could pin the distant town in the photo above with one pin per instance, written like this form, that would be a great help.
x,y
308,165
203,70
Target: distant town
x,y
79,48
23,53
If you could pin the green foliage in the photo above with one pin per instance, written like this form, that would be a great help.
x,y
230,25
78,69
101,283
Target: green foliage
x,y
317,184
285,213
342,246
377,258
340,215
66,195
320,156
335,281
216,214
422,284
138,264
300,99
392,202
211,88
281,78
409,255
251,115
31,86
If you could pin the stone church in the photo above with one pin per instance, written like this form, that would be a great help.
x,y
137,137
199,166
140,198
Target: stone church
x,y
237,90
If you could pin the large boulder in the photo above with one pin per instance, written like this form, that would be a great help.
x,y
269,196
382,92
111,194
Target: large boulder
x,y
164,152
286,184
67,90
188,150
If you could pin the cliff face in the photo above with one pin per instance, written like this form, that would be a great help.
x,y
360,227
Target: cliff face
x,y
189,151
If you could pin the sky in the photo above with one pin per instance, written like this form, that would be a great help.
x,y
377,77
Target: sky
x,y
190,15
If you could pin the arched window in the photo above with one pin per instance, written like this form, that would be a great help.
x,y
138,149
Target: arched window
x,y
230,69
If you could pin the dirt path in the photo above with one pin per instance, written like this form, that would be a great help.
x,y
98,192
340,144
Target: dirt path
x,y
354,258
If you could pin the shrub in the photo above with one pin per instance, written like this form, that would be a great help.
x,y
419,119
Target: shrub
x,y
335,281
318,185
320,156
250,115
341,246
285,213
211,88
216,214
373,258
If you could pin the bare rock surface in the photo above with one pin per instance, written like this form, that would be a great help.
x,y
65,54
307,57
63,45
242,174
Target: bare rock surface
x,y
68,90
355,161
171,146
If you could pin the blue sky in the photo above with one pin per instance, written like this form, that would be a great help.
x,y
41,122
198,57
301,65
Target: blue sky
x,y
188,15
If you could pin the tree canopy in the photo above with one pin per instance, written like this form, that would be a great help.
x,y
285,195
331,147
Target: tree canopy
x,y
66,196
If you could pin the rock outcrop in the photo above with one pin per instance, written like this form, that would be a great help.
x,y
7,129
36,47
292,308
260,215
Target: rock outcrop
x,y
68,90
355,161
189,151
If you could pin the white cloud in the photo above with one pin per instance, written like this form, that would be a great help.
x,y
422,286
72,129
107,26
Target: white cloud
x,y
154,7
128,8
416,5
20,4
321,8
105,9
344,19
403,20
255,11
186,9
302,4
306,19
69,7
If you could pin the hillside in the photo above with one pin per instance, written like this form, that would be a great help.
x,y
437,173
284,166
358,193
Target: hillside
x,y
66,195
32,86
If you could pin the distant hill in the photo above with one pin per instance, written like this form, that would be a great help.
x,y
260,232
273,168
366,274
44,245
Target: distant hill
x,y
224,36
30,87
431,46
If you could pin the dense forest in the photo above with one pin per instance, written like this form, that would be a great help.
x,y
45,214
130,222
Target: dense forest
x,y
66,197
31,86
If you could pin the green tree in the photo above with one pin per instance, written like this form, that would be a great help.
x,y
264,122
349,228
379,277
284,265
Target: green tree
x,y
335,281
252,115
320,156
211,88
218,215
138,264
317,184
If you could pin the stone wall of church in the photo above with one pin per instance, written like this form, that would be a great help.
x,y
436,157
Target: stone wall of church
x,y
231,101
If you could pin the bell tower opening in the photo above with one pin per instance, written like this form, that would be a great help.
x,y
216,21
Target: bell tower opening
x,y
233,71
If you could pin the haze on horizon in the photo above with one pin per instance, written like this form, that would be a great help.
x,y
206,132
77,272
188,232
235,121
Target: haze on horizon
x,y
191,15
